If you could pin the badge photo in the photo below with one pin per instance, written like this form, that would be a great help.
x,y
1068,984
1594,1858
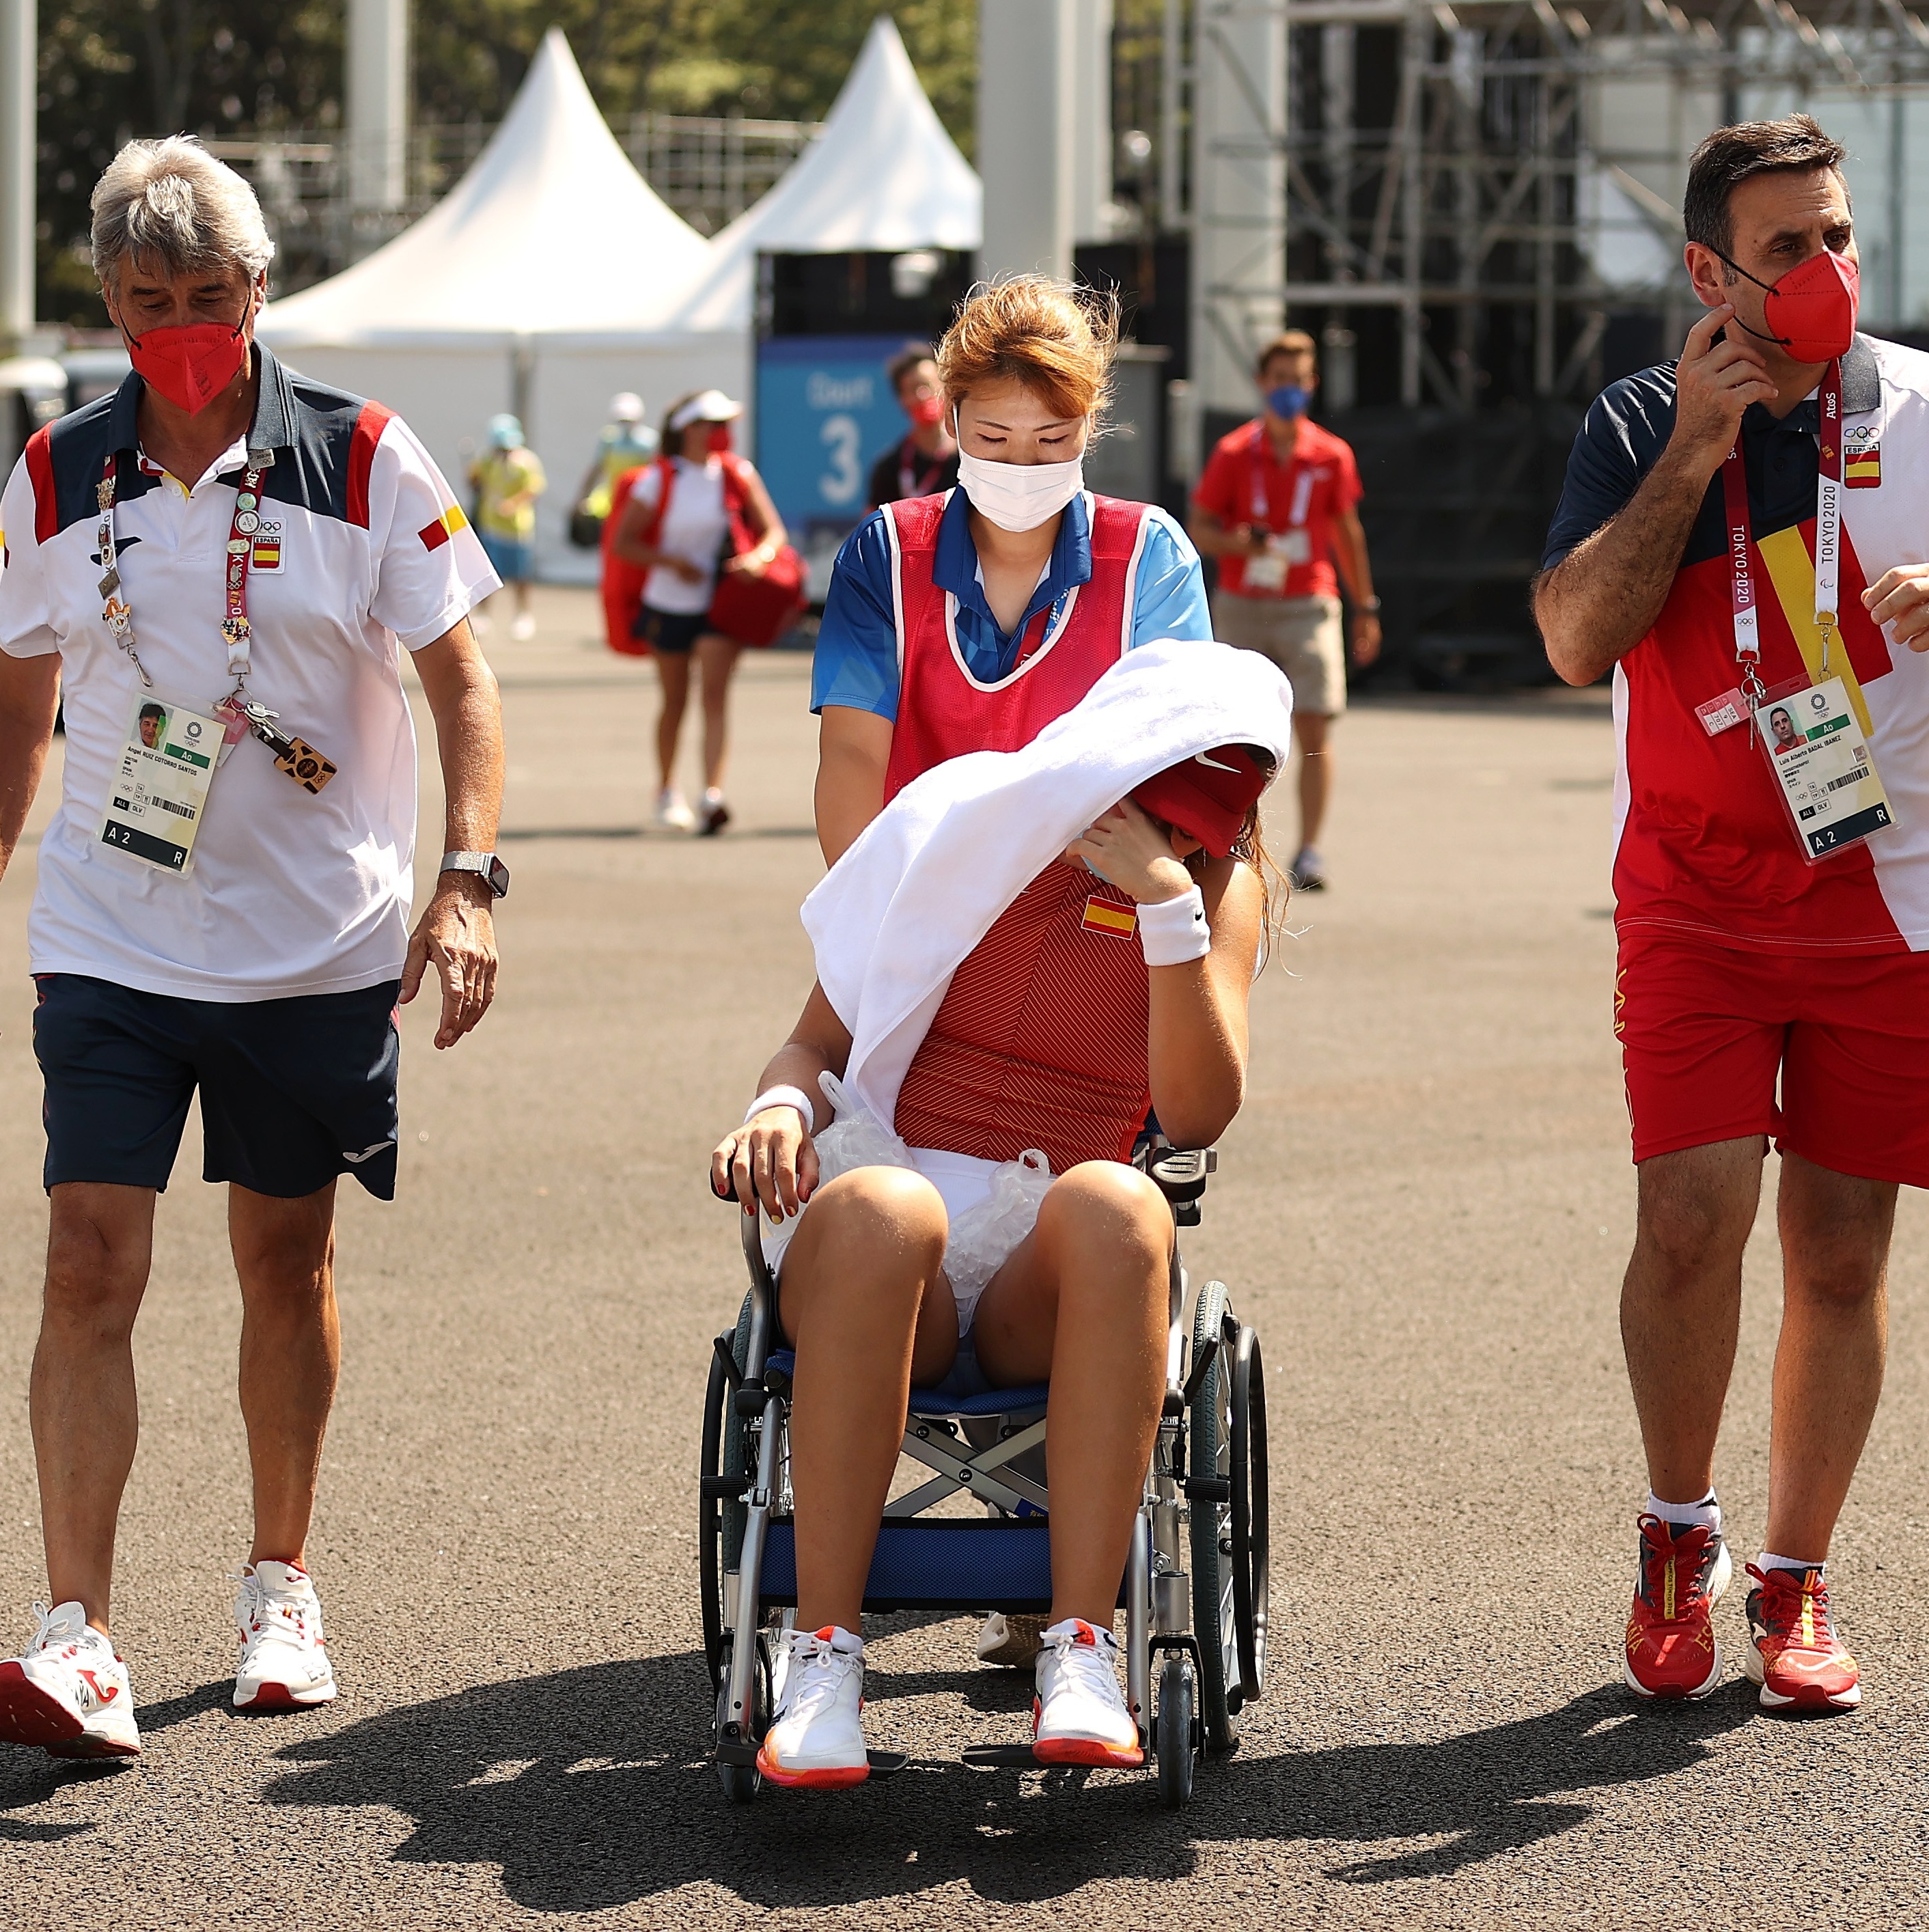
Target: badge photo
x,y
1831,791
160,788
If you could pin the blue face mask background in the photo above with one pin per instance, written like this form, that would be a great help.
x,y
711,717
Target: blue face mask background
x,y
1288,400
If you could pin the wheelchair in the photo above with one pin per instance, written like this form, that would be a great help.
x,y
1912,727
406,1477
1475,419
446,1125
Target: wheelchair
x,y
1195,1588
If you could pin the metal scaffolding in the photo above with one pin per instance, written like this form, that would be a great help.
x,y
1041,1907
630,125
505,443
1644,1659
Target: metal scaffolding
x,y
1474,204
1459,176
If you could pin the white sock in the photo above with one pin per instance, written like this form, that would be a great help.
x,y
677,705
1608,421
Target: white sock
x,y
713,794
1707,1512
1768,1561
848,1641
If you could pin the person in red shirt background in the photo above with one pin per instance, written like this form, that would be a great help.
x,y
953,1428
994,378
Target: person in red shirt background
x,y
1276,507
925,463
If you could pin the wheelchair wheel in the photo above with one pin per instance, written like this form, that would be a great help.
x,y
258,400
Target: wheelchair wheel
x,y
1209,1461
1251,1524
721,1521
1175,1728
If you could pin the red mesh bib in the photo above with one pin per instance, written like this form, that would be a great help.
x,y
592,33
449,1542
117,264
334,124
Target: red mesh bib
x,y
943,711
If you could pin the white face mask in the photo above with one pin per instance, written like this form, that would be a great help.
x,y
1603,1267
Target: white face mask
x,y
1019,496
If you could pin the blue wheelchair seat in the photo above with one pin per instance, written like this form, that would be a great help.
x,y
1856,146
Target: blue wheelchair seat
x,y
933,1404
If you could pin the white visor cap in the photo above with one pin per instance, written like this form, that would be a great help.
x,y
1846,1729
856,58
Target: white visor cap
x,y
710,406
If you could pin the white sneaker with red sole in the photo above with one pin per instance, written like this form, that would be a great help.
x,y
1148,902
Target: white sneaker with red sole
x,y
1079,1715
816,1739
284,1659
68,1692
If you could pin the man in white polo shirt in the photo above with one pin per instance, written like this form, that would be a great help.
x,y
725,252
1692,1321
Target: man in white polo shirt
x,y
217,569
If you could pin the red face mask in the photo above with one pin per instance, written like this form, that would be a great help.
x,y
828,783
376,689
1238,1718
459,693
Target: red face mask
x,y
719,441
189,365
1811,310
925,411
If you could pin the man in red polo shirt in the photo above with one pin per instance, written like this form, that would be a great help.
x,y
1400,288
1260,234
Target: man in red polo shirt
x,y
1747,519
1276,507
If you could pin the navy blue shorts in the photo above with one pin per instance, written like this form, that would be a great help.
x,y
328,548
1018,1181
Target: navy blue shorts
x,y
293,1092
674,633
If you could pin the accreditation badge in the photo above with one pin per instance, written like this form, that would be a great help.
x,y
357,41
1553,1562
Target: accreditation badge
x,y
1823,768
159,787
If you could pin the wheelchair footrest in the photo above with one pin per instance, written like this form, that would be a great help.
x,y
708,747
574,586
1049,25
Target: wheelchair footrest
x,y
732,1750
887,1764
1001,1757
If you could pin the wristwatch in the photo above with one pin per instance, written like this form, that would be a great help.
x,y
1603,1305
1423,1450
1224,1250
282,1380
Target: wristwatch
x,y
486,865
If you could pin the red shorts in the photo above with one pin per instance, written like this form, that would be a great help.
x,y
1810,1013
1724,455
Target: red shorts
x,y
1705,1030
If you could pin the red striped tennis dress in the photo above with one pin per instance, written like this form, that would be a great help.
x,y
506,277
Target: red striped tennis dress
x,y
1040,1040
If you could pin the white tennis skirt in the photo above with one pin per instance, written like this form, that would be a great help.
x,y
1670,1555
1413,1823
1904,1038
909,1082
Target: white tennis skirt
x,y
991,1205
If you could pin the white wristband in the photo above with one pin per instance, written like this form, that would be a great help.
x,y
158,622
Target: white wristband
x,y
1172,931
784,1097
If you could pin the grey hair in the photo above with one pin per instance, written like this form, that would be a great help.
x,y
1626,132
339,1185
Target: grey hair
x,y
170,205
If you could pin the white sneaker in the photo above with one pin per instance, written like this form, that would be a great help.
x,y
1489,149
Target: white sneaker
x,y
1012,1640
523,628
284,1659
672,810
816,1738
68,1691
1078,1716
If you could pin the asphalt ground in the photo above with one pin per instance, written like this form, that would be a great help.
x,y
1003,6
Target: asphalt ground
x,y
1425,1207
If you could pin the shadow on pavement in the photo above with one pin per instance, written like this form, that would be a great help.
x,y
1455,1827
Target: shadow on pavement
x,y
29,1776
591,1789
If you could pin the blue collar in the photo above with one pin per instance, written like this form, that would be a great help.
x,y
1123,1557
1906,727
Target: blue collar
x,y
955,564
272,428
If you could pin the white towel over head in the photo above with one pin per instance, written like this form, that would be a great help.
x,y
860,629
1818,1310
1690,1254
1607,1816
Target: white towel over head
x,y
894,918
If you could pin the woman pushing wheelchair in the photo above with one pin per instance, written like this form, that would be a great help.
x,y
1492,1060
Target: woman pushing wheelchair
x,y
1026,952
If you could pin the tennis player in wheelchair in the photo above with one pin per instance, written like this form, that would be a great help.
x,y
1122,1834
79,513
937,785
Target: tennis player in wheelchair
x,y
944,1256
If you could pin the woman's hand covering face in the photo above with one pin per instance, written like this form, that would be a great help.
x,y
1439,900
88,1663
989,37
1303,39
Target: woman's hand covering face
x,y
1129,849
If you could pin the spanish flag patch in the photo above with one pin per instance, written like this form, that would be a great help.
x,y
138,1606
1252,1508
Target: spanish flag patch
x,y
1102,916
435,534
1862,468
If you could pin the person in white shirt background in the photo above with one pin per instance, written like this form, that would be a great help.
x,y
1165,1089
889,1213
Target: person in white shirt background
x,y
686,513
232,922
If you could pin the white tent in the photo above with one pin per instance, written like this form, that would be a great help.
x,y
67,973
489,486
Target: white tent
x,y
543,282
882,177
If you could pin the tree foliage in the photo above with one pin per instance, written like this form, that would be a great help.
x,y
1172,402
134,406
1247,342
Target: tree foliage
x,y
113,69
110,70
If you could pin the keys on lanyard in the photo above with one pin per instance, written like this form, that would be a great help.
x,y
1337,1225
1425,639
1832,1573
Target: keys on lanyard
x,y
295,756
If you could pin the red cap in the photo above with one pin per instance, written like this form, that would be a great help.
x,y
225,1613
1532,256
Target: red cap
x,y
1208,797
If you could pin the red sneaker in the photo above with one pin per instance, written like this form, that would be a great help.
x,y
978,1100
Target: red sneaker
x,y
1671,1647
1795,1656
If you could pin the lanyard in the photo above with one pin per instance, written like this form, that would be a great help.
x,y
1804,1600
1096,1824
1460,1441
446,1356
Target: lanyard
x,y
1301,473
917,483
235,633
1828,541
